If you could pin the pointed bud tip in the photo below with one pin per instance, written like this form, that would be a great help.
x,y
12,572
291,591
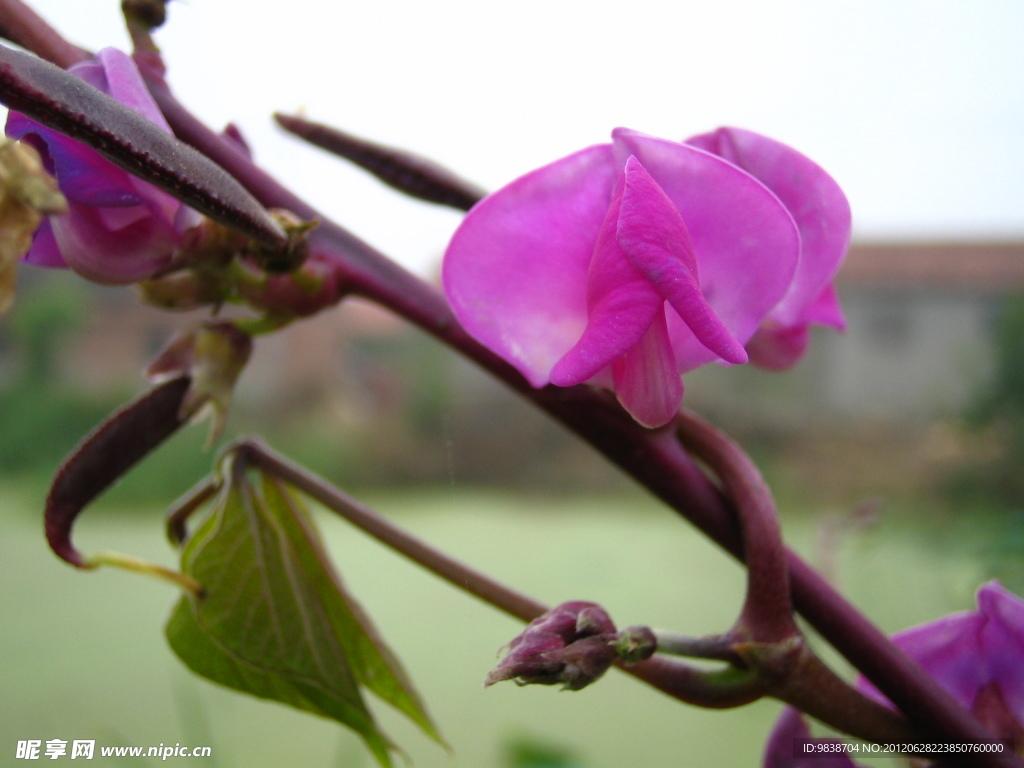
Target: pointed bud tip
x,y
635,644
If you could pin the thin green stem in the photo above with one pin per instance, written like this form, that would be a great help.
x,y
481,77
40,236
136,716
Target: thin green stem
x,y
714,647
466,578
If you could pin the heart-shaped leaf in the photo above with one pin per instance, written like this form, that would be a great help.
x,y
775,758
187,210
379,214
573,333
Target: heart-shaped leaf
x,y
274,619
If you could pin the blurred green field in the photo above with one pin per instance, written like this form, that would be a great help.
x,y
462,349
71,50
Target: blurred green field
x,y
83,654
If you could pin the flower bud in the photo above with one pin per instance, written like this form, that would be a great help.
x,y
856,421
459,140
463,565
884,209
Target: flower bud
x,y
572,644
305,291
182,290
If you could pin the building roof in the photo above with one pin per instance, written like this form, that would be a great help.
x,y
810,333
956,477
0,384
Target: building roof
x,y
992,266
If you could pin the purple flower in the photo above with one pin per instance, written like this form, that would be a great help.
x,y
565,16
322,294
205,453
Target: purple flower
x,y
822,214
627,264
118,229
976,656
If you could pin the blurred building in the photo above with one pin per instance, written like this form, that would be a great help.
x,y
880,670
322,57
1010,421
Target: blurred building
x,y
917,351
918,344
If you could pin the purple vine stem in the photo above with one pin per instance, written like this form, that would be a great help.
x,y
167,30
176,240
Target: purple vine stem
x,y
653,458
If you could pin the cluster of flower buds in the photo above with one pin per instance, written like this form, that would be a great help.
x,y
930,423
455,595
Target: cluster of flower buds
x,y
573,644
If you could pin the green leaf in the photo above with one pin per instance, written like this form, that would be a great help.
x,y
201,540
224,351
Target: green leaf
x,y
274,619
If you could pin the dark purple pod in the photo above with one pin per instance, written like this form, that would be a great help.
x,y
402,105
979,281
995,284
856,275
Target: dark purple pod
x,y
110,450
61,101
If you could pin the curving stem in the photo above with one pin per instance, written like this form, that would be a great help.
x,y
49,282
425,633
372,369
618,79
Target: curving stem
x,y
767,614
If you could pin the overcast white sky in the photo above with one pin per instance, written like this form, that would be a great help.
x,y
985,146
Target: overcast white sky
x,y
915,106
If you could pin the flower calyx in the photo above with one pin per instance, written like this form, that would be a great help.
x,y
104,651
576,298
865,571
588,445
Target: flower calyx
x,y
212,357
219,265
279,261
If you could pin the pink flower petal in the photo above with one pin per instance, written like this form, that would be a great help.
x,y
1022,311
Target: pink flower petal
x,y
44,251
125,85
625,265
825,310
621,304
516,270
812,197
655,239
970,651
647,381
83,174
744,240
947,649
1002,642
778,349
112,257
778,751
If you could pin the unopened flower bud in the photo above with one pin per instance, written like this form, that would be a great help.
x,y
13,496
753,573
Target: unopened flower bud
x,y
305,291
592,620
572,644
